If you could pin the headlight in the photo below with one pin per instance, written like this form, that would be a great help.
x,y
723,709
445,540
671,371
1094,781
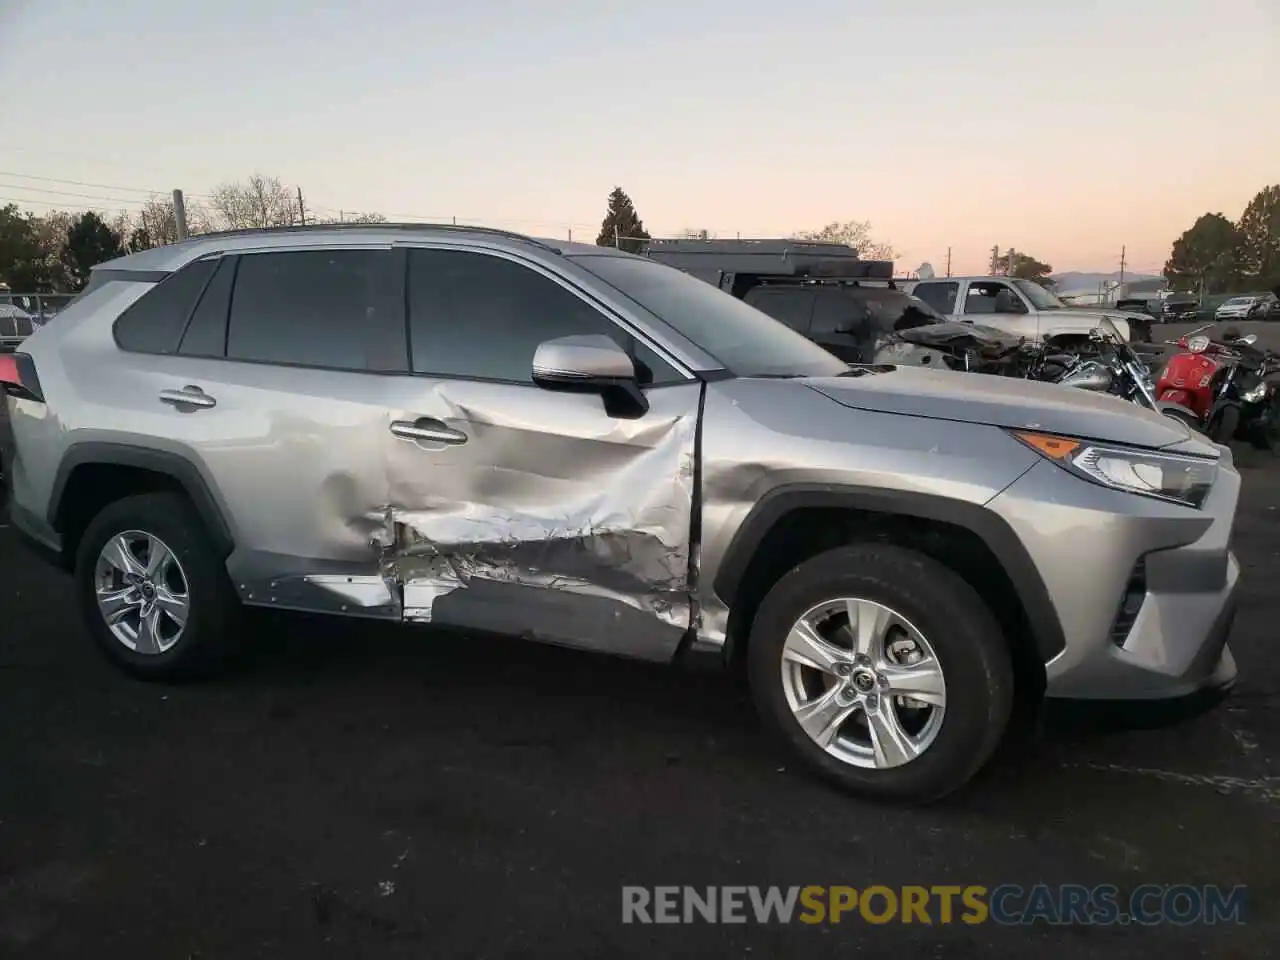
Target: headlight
x,y
1255,395
1165,476
1198,344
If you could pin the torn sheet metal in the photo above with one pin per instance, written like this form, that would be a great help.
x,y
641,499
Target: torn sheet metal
x,y
552,520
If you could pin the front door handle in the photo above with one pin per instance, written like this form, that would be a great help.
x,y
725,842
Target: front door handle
x,y
427,429
188,396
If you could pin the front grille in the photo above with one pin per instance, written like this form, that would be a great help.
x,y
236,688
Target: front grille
x,y
1135,592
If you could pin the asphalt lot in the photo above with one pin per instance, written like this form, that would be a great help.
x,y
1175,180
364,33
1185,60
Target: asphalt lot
x,y
362,792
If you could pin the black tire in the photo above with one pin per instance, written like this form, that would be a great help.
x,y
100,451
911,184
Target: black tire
x,y
965,637
1223,425
210,636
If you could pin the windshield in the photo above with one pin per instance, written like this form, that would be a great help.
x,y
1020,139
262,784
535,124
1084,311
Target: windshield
x,y
747,342
1109,328
1040,298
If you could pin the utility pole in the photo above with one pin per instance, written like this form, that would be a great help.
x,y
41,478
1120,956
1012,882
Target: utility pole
x,y
302,211
617,241
179,215
571,234
1122,266
948,261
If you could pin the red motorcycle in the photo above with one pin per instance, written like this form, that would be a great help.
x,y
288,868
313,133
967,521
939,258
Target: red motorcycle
x,y
1195,381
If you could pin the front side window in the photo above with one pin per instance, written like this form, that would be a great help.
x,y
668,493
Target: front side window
x,y
482,317
746,341
989,297
316,308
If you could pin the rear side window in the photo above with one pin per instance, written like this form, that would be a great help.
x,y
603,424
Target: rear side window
x,y
315,308
940,296
154,324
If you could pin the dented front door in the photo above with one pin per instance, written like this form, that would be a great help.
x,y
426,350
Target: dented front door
x,y
518,509
525,511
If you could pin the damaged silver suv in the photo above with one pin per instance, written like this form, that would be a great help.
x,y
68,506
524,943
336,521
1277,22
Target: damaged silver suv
x,y
474,428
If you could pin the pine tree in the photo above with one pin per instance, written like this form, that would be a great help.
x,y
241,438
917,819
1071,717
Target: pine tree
x,y
622,227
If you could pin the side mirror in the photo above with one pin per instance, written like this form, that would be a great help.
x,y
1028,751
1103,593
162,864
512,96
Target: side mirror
x,y
591,363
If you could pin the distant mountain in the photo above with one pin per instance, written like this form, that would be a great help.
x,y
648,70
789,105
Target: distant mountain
x,y
1074,280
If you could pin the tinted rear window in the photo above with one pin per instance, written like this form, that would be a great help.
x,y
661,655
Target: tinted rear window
x,y
154,324
312,308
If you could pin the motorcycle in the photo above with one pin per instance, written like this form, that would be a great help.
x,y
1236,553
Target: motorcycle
x,y
1224,388
1111,366
1107,364
1247,405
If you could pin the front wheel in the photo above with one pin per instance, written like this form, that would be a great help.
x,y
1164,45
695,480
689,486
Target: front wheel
x,y
1223,424
882,670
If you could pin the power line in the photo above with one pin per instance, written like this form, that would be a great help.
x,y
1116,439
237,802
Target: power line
x,y
66,193
85,183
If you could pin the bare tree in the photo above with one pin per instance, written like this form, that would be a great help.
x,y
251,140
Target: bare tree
x,y
856,234
350,217
254,203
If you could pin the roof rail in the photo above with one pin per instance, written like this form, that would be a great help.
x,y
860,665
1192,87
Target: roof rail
x,y
354,227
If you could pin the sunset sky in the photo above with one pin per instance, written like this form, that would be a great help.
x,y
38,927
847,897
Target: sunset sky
x,y
1065,129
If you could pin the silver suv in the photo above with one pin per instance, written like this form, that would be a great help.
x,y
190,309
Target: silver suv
x,y
563,442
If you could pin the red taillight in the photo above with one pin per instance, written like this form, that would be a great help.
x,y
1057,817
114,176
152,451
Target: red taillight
x,y
18,377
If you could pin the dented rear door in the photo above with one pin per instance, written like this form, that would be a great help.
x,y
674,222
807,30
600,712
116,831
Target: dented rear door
x,y
526,511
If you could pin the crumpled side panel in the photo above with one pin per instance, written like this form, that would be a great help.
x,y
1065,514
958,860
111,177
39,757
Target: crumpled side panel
x,y
552,520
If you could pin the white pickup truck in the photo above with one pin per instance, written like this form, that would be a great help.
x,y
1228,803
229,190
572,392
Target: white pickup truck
x,y
1022,308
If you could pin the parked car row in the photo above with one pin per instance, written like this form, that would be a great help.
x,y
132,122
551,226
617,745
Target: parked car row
x,y
471,428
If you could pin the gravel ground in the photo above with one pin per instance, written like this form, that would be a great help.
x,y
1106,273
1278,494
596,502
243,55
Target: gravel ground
x,y
368,792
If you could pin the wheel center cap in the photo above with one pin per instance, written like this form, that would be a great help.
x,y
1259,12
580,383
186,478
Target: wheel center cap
x,y
864,681
148,590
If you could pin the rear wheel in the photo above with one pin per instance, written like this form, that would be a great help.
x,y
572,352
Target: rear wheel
x,y
153,591
883,670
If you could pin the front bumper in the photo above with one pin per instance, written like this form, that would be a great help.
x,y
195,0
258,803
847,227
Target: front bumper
x,y
1088,541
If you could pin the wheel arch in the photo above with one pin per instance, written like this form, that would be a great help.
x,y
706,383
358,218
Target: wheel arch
x,y
885,514
125,464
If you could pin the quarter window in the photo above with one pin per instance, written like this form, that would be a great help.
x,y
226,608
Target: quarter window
x,y
154,323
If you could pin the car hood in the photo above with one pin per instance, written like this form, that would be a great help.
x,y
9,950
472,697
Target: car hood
x,y
1095,314
1004,402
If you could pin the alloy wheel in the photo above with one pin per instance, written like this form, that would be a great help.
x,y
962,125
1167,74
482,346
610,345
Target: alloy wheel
x,y
142,592
864,683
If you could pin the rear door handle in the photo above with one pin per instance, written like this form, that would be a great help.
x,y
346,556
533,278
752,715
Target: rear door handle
x,y
429,429
188,396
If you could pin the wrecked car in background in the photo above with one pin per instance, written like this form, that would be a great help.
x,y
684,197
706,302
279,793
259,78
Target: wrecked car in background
x,y
477,429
